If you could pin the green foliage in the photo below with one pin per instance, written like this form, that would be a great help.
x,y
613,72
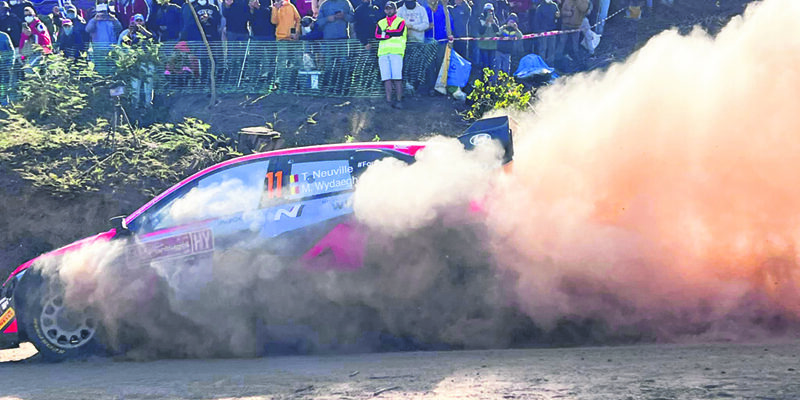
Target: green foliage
x,y
349,138
61,91
68,161
496,92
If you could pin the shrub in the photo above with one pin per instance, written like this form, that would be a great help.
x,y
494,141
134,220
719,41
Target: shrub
x,y
64,162
496,91
61,91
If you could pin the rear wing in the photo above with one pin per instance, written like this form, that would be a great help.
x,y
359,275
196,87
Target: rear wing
x,y
498,128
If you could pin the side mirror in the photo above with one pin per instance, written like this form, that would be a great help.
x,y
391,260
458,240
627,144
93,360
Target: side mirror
x,y
118,223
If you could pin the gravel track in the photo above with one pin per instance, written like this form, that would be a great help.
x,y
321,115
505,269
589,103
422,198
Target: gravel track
x,y
633,372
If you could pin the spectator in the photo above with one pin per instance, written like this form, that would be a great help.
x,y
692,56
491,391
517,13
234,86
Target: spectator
x,y
366,17
126,9
392,34
511,33
104,28
70,42
18,8
475,27
572,14
501,9
189,30
182,66
210,18
236,13
488,29
37,32
10,23
286,20
304,7
78,23
53,22
334,19
310,30
438,29
136,33
165,21
416,20
521,8
260,22
460,13
545,17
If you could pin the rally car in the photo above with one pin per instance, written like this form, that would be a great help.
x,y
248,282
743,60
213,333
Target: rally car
x,y
302,200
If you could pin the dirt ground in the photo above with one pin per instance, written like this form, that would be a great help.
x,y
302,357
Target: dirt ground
x,y
764,371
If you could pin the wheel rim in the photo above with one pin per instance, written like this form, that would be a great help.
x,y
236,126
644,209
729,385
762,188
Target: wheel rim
x,y
65,328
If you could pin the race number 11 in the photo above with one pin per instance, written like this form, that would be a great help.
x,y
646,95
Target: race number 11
x,y
274,184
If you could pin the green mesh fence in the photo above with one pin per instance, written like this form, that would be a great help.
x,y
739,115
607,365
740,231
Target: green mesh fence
x,y
318,68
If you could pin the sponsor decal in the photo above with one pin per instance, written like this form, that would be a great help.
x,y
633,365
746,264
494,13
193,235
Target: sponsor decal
x,y
480,139
364,164
4,304
294,212
6,317
176,246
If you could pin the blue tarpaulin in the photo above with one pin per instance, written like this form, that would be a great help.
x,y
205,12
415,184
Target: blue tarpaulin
x,y
458,72
532,66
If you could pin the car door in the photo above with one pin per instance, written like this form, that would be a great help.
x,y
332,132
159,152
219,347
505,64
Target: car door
x,y
310,198
179,235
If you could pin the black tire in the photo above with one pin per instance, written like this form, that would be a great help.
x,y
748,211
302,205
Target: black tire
x,y
73,335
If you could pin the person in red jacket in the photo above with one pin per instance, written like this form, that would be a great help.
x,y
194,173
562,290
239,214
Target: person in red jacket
x,y
34,32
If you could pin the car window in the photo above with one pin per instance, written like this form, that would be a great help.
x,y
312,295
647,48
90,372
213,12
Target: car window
x,y
319,174
231,190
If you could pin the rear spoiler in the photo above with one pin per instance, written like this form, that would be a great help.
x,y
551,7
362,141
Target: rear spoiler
x,y
498,128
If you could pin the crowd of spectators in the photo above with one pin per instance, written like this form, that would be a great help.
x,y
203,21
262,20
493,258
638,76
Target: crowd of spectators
x,y
72,31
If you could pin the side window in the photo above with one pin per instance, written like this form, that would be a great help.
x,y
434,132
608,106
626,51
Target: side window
x,y
231,190
321,174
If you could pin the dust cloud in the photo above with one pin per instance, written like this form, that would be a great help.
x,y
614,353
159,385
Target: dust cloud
x,y
660,196
652,201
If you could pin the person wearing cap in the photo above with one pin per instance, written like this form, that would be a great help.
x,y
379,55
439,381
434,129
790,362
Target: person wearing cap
x,y
488,29
510,33
104,28
392,35
136,33
36,33
10,23
78,23
310,29
69,42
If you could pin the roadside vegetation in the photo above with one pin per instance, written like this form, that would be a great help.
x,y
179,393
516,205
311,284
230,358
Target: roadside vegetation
x,y
59,139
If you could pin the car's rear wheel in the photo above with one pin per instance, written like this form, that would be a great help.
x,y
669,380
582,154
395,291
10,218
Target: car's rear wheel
x,y
58,331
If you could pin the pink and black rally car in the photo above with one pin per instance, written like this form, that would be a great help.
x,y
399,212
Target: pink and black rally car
x,y
302,197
